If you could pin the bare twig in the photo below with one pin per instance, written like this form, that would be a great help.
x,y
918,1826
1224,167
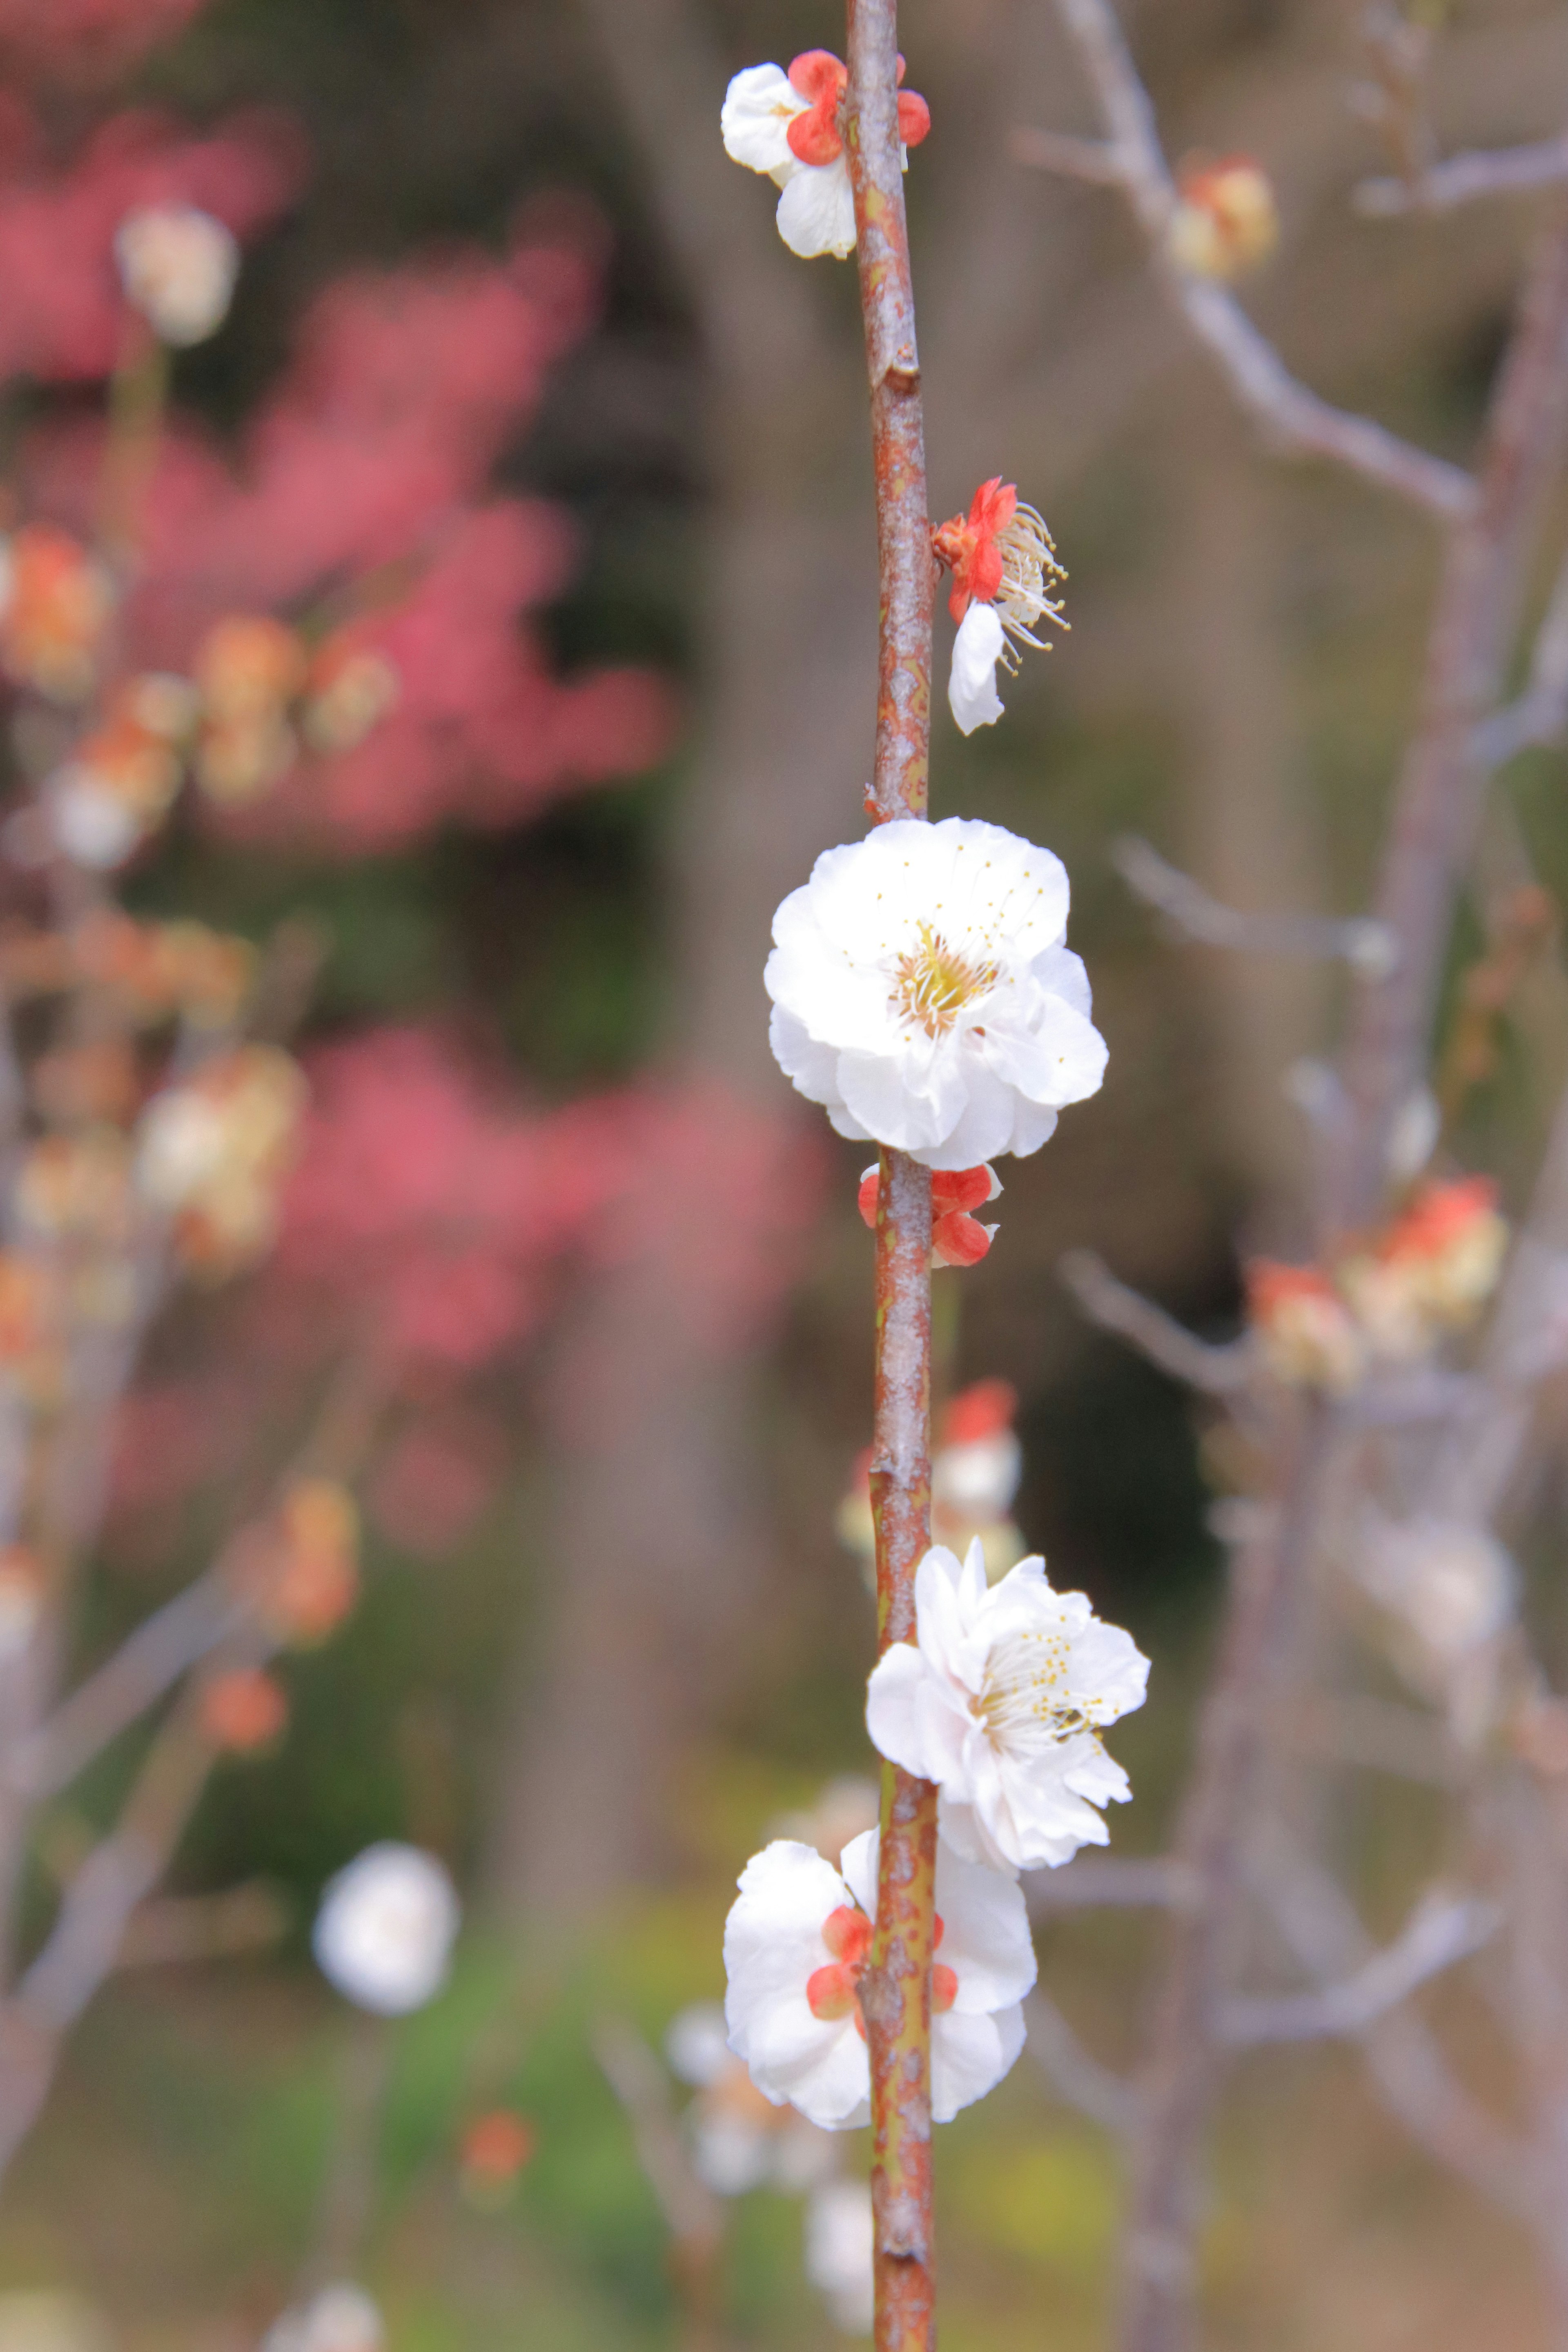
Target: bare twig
x,y
1109,1304
1095,1881
1539,716
1443,1929
1075,2072
1505,172
1293,418
693,2214
1071,159
1366,946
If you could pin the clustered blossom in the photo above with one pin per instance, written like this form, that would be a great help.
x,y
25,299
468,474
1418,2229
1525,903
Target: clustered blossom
x,y
385,1932
957,1237
1000,1700
1427,1276
923,993
1225,221
795,1942
786,125
1005,568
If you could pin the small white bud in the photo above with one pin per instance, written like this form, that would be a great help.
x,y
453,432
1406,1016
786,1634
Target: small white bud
x,y
178,267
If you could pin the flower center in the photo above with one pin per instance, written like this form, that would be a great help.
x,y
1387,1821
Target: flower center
x,y
1028,563
1023,1701
933,983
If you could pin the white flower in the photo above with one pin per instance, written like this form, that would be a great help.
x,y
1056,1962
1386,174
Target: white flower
x,y
342,2318
923,991
1000,1703
385,1931
972,695
786,125
1004,578
178,267
840,2249
96,827
795,1942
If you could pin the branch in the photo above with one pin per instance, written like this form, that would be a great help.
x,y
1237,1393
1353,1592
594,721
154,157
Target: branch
x,y
1539,716
1112,1307
694,2214
1504,172
1075,2072
1093,1881
1444,1929
1293,418
1187,907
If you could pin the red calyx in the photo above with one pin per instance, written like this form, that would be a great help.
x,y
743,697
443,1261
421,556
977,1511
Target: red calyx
x,y
967,545
979,1411
813,136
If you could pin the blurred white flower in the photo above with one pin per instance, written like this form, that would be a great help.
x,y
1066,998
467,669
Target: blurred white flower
x,y
739,2140
795,1943
923,993
1001,1705
1449,1582
383,1934
341,2318
840,2248
178,268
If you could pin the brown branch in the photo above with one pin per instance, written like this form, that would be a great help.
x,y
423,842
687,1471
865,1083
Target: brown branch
x,y
1293,418
896,1986
1193,915
1505,172
1539,716
1075,2072
1112,1307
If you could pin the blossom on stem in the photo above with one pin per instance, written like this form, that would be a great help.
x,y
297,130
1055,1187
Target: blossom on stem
x,y
786,125
385,1932
178,267
1225,221
956,1237
795,1943
999,1700
922,993
213,1152
1004,565
1307,1332
1432,1271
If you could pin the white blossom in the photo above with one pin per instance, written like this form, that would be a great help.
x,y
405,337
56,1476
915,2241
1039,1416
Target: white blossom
x,y
178,267
341,2318
840,2249
923,991
979,646
1000,1702
795,1943
786,126
383,1934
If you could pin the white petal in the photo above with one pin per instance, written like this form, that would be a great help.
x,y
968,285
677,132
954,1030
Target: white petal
x,y
1061,973
972,695
969,2056
858,1865
877,1091
985,1940
816,211
812,1069
1061,1061
758,106
895,1716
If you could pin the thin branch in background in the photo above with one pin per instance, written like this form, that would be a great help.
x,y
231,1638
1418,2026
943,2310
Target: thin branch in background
x,y
1539,716
1443,1929
1507,172
1068,158
1294,419
693,2214
1094,1881
1192,914
1112,1307
1073,2072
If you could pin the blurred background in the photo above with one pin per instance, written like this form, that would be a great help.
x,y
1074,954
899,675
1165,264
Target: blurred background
x,y
610,1629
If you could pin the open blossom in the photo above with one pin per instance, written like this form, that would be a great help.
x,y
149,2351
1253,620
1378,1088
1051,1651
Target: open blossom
x,y
1225,221
385,1932
1000,1701
1005,567
786,124
795,1942
957,1238
177,265
922,993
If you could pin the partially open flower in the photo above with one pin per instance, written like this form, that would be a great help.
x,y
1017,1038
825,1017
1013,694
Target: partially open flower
x,y
795,1943
178,265
213,1153
1225,221
1308,1334
923,992
244,1710
1005,569
786,125
1000,1700
1440,1260
55,602
248,669
383,1934
956,1238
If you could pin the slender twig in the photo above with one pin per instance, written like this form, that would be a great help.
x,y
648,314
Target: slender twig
x,y
1504,172
1443,1929
1075,2072
1366,946
1293,418
896,1986
1539,716
1094,1881
1109,1304
693,2214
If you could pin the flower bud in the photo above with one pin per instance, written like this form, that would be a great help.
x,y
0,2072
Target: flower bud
x,y
178,268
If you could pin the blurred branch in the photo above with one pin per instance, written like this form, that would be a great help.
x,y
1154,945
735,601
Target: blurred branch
x,y
1444,1929
1070,159
1539,716
694,2214
1510,170
1190,910
1110,1305
1291,416
1079,2078
1092,1880
184,1927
